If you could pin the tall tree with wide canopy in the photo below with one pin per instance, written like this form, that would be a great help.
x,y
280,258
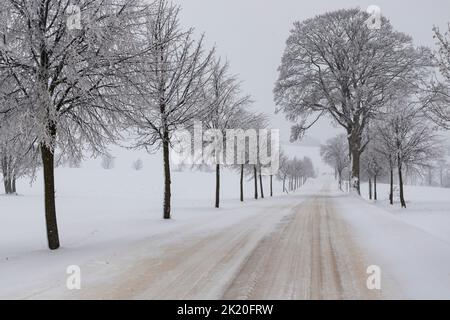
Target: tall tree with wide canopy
x,y
66,81
334,65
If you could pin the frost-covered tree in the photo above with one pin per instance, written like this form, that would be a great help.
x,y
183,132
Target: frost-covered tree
x,y
227,109
443,168
260,122
374,163
66,75
408,139
250,123
108,161
138,164
308,168
167,88
335,153
438,107
17,159
334,65
283,170
295,171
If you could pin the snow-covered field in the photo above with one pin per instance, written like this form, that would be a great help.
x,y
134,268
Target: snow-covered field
x,y
102,210
412,244
110,221
428,208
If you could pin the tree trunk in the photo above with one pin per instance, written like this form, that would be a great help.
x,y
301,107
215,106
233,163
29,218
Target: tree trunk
x,y
271,187
370,189
391,187
261,185
255,176
47,154
6,175
355,170
167,179
340,180
400,183
284,184
354,142
7,185
242,182
13,185
217,185
375,196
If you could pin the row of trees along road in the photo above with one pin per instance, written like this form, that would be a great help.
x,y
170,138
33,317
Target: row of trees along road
x,y
403,143
385,92
128,70
295,172
334,65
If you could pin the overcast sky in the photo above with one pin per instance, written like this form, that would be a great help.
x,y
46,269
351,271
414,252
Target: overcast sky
x,y
251,34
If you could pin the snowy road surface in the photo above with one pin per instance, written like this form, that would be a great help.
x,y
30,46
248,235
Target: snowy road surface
x,y
316,244
309,255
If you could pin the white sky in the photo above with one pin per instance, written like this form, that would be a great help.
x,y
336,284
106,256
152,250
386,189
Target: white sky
x,y
251,34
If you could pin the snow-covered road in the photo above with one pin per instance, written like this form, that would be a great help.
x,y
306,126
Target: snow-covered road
x,y
297,248
315,244
311,255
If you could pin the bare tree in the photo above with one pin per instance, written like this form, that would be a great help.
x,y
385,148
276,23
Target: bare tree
x,y
438,104
168,86
386,150
376,169
138,164
257,167
308,168
374,163
334,65
249,121
443,167
66,79
17,158
295,171
255,123
283,171
409,140
227,109
335,153
107,161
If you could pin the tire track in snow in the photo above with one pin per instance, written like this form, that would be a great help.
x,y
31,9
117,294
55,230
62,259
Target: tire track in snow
x,y
311,255
198,267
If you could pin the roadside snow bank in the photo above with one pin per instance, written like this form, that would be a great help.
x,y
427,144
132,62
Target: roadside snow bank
x,y
417,259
